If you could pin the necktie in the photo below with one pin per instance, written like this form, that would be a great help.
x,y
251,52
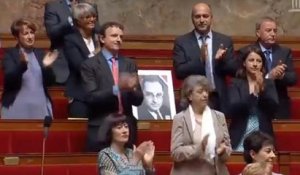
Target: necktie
x,y
158,116
208,61
115,72
203,48
268,60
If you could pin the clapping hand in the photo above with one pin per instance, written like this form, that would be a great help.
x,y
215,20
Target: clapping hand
x,y
23,56
221,52
140,151
50,57
224,145
128,81
259,86
204,142
149,155
278,71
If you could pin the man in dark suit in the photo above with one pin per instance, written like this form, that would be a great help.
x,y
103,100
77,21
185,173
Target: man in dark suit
x,y
154,107
205,52
58,23
279,63
111,84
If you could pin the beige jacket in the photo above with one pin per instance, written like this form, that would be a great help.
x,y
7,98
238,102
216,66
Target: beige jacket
x,y
187,156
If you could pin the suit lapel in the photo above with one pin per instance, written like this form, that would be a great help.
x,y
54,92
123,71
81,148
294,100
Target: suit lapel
x,y
194,45
187,119
122,64
216,127
105,67
80,42
275,56
215,46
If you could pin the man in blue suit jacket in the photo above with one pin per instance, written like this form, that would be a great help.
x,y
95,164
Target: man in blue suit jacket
x,y
205,52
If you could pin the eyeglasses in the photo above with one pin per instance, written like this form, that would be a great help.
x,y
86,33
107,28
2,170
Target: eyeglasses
x,y
89,17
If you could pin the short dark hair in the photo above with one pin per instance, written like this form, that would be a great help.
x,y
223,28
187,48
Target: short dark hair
x,y
105,130
243,54
18,24
106,25
151,78
254,142
188,86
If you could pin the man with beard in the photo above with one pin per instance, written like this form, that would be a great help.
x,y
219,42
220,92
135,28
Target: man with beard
x,y
205,52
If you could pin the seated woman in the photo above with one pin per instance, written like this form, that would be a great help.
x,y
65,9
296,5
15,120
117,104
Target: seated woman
x,y
79,46
27,72
259,147
252,99
117,158
200,140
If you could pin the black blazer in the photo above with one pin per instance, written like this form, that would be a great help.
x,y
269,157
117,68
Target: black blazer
x,y
76,52
13,70
98,82
290,78
144,113
186,57
240,102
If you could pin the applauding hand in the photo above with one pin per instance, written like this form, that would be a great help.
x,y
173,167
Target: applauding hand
x,y
50,57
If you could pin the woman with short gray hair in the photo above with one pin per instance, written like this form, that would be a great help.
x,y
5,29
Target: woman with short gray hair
x,y
79,46
200,140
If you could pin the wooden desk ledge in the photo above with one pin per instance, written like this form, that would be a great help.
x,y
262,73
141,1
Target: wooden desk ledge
x,y
80,125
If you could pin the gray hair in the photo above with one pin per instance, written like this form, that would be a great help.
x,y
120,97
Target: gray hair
x,y
263,19
82,10
188,86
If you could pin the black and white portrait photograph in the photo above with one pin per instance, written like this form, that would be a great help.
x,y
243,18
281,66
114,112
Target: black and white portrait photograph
x,y
158,103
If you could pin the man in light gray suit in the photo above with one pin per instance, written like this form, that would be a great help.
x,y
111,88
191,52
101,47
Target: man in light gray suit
x,y
205,52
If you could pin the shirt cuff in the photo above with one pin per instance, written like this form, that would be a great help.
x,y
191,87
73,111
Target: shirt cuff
x,y
267,76
70,20
116,90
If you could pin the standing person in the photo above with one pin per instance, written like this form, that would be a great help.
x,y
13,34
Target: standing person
x,y
200,140
252,99
279,63
153,106
259,147
111,84
27,73
117,158
79,46
205,52
59,22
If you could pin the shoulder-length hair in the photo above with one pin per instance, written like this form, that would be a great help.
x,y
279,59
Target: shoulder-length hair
x,y
241,72
188,86
105,130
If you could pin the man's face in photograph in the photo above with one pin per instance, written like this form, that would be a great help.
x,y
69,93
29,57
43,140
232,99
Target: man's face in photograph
x,y
153,95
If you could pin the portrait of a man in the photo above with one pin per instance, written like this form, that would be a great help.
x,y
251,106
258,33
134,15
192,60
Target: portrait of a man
x,y
153,106
158,103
